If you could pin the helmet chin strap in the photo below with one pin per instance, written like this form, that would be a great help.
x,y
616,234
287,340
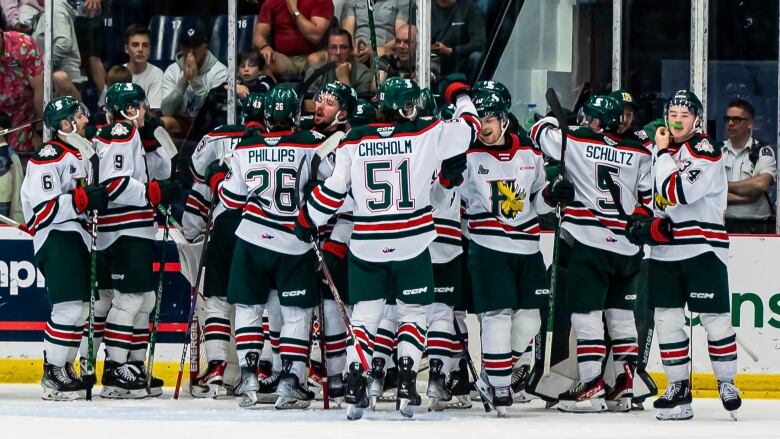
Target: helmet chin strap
x,y
411,116
133,119
504,127
63,133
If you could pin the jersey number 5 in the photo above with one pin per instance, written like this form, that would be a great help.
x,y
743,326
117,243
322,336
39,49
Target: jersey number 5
x,y
602,170
384,186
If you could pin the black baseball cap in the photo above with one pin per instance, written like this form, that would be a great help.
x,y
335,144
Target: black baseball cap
x,y
194,34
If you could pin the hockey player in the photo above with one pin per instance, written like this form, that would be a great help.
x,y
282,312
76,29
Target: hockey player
x,y
54,200
609,175
335,103
387,167
208,167
503,189
136,184
263,172
689,255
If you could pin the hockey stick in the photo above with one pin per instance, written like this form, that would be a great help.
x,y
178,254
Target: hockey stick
x,y
7,131
324,364
89,375
478,383
372,36
157,302
5,220
557,110
329,276
194,298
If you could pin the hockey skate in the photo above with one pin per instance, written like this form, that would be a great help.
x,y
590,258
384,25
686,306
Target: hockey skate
x,y
619,396
291,394
520,376
122,381
210,383
336,389
437,392
249,384
458,386
585,397
677,395
59,385
156,385
269,382
502,399
408,398
376,384
729,396
355,392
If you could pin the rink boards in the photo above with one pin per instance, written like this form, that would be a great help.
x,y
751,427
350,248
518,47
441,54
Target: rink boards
x,y
754,278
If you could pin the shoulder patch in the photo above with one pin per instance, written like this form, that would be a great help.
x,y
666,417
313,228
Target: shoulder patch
x,y
704,146
48,152
119,131
701,146
767,151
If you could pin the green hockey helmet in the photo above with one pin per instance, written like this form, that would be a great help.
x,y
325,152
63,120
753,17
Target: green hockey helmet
x,y
364,113
253,108
401,95
62,108
624,98
124,95
490,103
688,99
281,106
344,94
428,105
607,109
496,87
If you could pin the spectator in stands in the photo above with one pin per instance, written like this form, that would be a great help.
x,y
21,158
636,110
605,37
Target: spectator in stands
x,y
250,75
400,62
389,17
298,28
11,176
117,74
65,57
88,25
138,46
21,85
28,11
458,36
187,82
11,9
750,169
346,69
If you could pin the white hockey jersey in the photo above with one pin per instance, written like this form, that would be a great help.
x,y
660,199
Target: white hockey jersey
x,y
262,177
503,188
51,175
593,218
691,189
123,170
446,219
217,144
388,169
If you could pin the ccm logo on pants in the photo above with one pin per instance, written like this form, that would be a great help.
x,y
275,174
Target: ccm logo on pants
x,y
441,290
293,293
414,291
702,295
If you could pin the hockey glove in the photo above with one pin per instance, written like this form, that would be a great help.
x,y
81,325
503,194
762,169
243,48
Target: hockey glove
x,y
451,173
453,85
652,231
215,173
559,192
163,192
304,226
146,132
93,197
640,212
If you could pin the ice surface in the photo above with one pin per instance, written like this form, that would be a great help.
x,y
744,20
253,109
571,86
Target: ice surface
x,y
24,415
